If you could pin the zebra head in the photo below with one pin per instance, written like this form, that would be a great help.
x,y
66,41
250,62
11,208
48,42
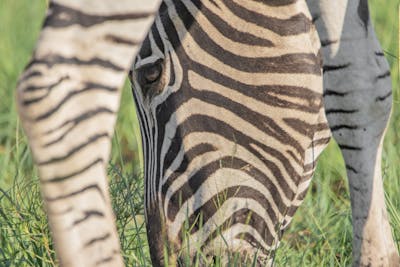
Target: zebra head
x,y
218,95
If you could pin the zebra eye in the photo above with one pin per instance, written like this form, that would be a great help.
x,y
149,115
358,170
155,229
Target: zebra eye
x,y
153,73
150,74
150,78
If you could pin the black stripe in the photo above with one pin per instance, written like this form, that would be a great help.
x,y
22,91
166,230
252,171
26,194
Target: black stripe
x,y
51,60
343,126
276,2
82,117
315,17
62,16
70,175
120,40
382,98
88,86
157,38
74,150
88,214
383,75
294,25
48,89
321,141
350,168
292,210
193,152
301,196
145,50
33,88
75,122
106,260
97,239
329,92
348,147
30,75
327,42
295,158
77,192
305,128
327,68
338,110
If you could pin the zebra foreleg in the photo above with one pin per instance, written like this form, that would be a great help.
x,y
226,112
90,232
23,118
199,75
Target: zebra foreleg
x,y
68,97
357,91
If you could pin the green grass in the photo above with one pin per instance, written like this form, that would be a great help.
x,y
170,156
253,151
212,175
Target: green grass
x,y
320,234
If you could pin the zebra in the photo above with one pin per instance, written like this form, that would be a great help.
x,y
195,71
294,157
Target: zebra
x,y
223,89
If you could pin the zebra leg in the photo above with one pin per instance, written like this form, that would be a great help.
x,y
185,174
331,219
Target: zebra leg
x,y
358,105
68,97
